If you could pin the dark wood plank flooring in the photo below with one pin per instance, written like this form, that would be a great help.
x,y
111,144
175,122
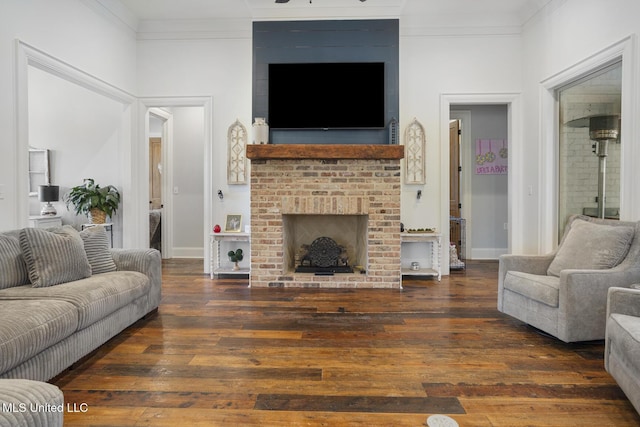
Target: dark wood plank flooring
x,y
221,354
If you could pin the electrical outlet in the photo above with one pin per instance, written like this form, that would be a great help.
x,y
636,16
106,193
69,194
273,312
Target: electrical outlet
x,y
506,225
176,190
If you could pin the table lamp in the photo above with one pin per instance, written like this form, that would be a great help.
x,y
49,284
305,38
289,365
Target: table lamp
x,y
48,194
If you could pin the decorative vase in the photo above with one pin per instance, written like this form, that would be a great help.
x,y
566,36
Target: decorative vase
x,y
236,267
260,131
96,216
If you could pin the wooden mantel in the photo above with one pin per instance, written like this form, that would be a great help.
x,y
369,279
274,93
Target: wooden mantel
x,y
324,151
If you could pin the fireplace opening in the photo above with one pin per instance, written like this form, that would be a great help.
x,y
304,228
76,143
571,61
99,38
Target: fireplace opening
x,y
325,244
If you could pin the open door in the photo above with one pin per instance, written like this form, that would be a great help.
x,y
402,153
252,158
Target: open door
x,y
455,235
155,173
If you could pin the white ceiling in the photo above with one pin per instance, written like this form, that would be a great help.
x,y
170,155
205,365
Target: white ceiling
x,y
433,12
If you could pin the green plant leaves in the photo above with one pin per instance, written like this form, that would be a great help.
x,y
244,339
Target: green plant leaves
x,y
90,195
235,256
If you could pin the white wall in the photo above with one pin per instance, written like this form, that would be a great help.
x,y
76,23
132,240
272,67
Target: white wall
x,y
80,128
565,35
72,32
220,68
434,65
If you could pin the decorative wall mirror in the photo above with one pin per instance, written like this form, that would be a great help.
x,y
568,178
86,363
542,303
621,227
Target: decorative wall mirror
x,y
38,169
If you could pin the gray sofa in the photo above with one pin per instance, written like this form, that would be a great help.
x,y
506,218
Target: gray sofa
x,y
622,342
564,293
63,294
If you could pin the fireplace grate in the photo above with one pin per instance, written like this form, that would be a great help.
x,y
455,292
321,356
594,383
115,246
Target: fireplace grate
x,y
324,256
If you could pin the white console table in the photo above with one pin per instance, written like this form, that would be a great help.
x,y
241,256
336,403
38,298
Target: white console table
x,y
434,240
45,221
215,243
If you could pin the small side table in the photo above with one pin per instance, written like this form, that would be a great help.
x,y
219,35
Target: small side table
x,y
215,239
433,239
108,228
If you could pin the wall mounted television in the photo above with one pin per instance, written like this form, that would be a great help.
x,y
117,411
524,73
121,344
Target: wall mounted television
x,y
345,95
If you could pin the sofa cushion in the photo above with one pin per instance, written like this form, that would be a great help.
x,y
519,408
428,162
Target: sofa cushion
x,y
54,256
29,326
36,403
13,269
94,297
96,246
623,331
590,246
544,289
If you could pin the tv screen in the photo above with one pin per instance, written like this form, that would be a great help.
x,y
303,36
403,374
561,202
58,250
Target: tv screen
x,y
326,95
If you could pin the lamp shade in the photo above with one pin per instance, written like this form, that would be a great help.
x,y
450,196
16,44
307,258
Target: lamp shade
x,y
49,193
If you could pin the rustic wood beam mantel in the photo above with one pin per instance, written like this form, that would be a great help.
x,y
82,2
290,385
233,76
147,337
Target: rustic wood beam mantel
x,y
324,151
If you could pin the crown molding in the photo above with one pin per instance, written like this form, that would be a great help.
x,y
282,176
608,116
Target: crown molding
x,y
115,12
195,29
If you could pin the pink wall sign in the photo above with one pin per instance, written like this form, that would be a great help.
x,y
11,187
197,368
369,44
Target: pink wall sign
x,y
492,157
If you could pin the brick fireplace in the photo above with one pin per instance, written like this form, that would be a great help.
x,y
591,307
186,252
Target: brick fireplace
x,y
347,193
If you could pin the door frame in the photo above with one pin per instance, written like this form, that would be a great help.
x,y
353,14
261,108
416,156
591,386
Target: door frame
x,y
549,136
206,102
515,198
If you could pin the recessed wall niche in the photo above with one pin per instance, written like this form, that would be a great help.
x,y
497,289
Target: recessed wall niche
x,y
375,40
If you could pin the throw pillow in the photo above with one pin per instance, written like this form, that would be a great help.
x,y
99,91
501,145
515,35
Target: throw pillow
x,y
13,270
588,245
96,246
54,255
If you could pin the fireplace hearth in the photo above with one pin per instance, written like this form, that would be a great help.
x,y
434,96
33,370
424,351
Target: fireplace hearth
x,y
325,215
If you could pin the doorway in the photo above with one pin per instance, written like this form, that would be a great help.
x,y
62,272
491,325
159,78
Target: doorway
x,y
589,159
186,173
481,217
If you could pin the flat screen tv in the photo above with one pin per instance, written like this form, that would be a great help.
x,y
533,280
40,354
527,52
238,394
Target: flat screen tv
x,y
327,95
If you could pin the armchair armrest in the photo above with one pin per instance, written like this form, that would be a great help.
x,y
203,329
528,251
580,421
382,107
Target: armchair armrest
x,y
623,301
583,297
146,261
534,264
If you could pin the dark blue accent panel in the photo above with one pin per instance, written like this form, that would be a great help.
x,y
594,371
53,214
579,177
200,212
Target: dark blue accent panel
x,y
374,40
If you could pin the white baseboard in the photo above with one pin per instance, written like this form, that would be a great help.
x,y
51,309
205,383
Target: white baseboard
x,y
188,252
487,253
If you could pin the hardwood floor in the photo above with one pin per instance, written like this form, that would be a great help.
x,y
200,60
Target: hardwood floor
x,y
221,354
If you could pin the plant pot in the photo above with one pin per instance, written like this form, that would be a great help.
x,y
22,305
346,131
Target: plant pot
x,y
96,216
236,267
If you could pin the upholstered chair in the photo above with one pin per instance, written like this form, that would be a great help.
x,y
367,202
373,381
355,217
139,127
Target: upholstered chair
x,y
564,293
622,343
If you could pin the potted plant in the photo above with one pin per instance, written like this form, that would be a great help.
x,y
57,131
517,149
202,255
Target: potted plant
x,y
94,201
235,257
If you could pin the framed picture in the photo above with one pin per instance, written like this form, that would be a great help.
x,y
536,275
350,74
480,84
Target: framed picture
x,y
233,223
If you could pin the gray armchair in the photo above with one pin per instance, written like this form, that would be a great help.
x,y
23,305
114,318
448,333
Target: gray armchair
x,y
622,343
564,293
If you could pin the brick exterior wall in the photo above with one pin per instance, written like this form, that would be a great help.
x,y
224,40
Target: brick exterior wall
x,y
325,187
